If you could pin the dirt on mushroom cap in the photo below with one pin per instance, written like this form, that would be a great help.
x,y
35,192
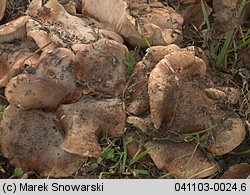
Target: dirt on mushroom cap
x,y
100,67
136,30
31,139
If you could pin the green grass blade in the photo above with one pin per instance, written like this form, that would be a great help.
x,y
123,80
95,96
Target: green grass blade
x,y
138,157
225,48
141,171
204,11
130,62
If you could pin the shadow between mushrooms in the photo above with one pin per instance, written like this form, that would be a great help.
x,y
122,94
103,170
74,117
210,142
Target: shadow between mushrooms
x,y
31,140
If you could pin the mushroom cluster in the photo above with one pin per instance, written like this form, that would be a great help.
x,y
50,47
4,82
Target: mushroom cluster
x,y
172,91
64,73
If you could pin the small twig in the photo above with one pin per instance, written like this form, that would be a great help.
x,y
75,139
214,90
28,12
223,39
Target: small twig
x,y
2,97
38,50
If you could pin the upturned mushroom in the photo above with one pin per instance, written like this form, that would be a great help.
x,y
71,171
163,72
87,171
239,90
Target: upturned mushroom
x,y
31,140
85,120
154,23
176,89
13,30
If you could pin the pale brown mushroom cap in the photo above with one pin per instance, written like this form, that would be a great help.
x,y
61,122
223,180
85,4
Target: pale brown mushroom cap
x,y
139,97
33,7
135,30
13,30
15,58
42,38
165,77
58,64
100,67
85,120
182,160
143,123
227,135
58,26
31,139
46,85
238,171
3,4
28,91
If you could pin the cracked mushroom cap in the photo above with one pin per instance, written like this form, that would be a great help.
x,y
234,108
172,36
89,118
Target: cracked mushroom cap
x,y
100,67
85,120
166,75
45,86
122,22
182,160
13,30
3,4
31,139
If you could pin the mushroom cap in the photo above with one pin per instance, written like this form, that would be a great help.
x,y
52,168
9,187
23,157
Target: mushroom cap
x,y
14,60
58,64
85,120
13,30
165,77
142,123
238,171
139,97
58,26
157,31
42,38
100,67
31,139
33,7
3,4
227,135
187,102
182,160
28,91
47,85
